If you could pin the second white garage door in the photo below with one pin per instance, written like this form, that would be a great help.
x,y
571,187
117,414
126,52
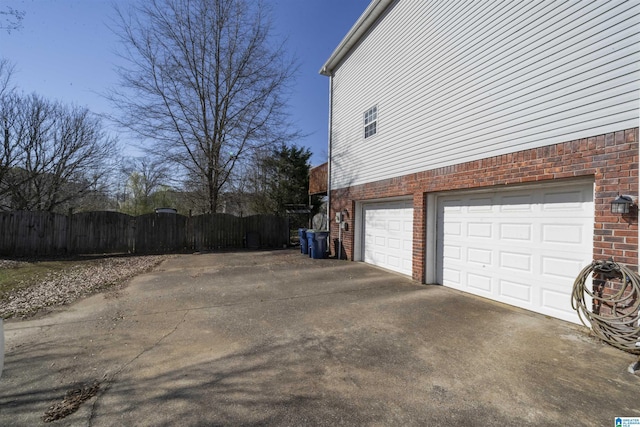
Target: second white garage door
x,y
388,235
522,247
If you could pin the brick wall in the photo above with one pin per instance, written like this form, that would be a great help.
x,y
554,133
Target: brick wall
x,y
611,159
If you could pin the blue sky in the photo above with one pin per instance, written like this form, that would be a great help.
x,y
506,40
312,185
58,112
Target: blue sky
x,y
65,51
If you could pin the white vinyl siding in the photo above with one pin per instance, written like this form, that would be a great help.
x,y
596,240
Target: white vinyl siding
x,y
462,81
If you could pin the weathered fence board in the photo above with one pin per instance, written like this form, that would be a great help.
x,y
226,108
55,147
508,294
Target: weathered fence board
x,y
160,233
32,233
100,232
270,231
217,231
43,233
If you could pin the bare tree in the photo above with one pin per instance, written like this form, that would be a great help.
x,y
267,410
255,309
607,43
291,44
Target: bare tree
x,y
7,69
53,156
8,115
204,81
145,178
11,19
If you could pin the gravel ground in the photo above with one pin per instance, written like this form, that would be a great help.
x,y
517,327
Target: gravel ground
x,y
64,287
6,263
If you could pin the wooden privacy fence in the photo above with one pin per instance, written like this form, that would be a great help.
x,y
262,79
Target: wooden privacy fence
x,y
45,234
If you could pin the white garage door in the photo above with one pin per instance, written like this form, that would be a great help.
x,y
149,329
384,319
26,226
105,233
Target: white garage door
x,y
523,248
388,235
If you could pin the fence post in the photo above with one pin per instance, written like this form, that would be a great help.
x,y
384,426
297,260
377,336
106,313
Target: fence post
x,y
131,231
69,242
191,236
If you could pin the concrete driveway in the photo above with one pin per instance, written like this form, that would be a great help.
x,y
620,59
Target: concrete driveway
x,y
274,338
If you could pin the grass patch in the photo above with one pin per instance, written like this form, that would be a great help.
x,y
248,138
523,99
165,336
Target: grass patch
x,y
30,286
25,274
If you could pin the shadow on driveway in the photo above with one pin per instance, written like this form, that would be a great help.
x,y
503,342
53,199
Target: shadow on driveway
x,y
274,338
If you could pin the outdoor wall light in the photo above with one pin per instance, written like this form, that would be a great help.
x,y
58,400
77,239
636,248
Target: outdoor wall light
x,y
622,204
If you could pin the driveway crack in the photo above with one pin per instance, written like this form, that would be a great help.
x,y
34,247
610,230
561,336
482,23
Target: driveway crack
x,y
108,380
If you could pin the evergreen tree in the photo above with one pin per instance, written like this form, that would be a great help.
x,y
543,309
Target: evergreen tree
x,y
281,178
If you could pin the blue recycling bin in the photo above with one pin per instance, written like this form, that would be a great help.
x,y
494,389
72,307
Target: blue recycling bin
x,y
311,240
317,241
304,245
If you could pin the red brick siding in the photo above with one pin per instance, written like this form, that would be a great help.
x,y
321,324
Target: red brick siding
x,y
614,303
611,159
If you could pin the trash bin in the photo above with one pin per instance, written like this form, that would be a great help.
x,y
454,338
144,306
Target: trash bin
x,y
322,238
317,243
304,245
311,241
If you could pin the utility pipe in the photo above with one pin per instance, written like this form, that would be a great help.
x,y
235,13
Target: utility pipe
x,y
330,153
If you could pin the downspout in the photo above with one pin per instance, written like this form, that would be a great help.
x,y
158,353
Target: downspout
x,y
330,153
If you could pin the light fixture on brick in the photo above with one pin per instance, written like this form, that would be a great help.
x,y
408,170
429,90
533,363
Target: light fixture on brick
x,y
621,204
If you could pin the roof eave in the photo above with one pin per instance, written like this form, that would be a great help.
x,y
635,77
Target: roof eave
x,y
355,34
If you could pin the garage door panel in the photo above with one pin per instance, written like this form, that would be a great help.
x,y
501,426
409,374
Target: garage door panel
x,y
516,293
480,283
394,243
452,252
451,278
518,203
453,229
376,257
565,234
393,226
555,301
479,256
514,231
523,247
393,261
388,235
520,262
563,201
479,230
480,205
560,267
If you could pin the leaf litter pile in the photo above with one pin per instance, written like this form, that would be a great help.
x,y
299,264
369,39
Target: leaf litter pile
x,y
71,402
69,284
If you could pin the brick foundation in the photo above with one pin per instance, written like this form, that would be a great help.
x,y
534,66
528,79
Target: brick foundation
x,y
610,159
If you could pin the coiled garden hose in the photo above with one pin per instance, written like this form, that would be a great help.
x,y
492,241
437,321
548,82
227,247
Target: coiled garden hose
x,y
609,304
